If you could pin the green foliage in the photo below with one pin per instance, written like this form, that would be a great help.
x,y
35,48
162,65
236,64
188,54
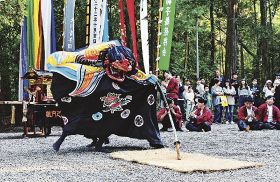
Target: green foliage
x,y
183,56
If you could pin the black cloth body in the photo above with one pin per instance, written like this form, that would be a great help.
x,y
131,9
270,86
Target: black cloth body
x,y
123,108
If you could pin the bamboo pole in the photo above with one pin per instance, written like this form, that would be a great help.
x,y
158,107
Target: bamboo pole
x,y
87,22
13,117
158,36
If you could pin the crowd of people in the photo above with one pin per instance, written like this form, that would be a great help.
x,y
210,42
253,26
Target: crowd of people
x,y
222,101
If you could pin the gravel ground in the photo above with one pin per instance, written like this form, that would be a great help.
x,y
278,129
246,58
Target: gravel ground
x,y
32,159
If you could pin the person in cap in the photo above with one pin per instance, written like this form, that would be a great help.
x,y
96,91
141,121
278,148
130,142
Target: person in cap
x,y
201,118
269,114
267,89
163,117
247,116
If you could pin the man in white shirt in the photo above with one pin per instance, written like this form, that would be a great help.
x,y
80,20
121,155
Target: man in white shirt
x,y
247,116
269,114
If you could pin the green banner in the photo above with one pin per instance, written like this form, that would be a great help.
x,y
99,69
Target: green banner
x,y
168,15
30,34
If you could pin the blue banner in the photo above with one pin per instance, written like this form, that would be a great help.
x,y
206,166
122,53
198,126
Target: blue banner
x,y
23,95
105,37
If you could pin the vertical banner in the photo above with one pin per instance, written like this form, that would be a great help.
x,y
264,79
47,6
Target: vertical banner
x,y
53,33
144,34
30,34
47,27
22,95
131,14
69,27
37,27
122,23
168,15
103,10
106,27
97,19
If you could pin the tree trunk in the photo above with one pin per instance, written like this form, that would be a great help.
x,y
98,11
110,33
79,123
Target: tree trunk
x,y
153,33
186,52
212,58
230,64
263,40
256,62
242,62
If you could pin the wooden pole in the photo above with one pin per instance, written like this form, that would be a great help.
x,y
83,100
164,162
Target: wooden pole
x,y
87,22
13,117
177,142
158,36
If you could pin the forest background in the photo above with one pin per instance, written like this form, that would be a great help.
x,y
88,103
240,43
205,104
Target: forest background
x,y
234,36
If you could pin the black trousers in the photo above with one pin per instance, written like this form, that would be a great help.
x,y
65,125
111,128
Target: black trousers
x,y
192,126
167,124
269,125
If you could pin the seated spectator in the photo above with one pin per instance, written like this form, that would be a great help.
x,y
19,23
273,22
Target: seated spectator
x,y
201,118
247,116
163,117
269,115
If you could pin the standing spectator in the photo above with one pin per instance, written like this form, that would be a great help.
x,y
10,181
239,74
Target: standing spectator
x,y
163,117
199,88
164,84
243,92
181,97
188,95
208,97
229,92
256,92
235,83
217,76
247,116
267,89
217,92
172,88
187,82
277,92
201,118
269,115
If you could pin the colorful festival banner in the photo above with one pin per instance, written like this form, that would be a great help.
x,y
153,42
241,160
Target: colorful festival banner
x,y
97,19
23,67
144,34
131,14
69,27
122,23
168,15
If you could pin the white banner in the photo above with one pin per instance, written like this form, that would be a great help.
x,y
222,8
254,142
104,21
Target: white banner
x,y
97,19
144,34
46,19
